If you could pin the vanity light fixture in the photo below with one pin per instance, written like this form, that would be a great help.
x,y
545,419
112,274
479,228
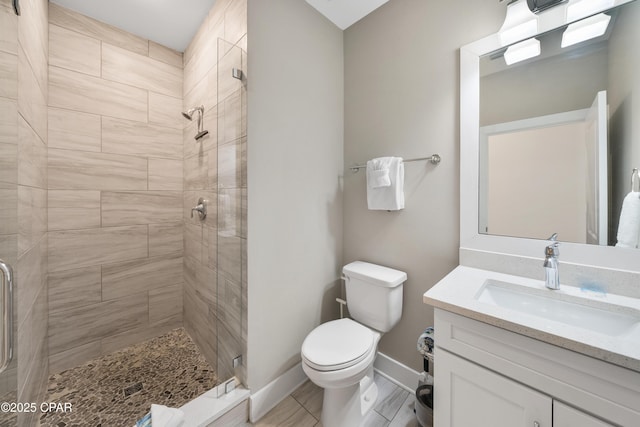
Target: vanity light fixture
x,y
577,9
520,23
521,51
586,29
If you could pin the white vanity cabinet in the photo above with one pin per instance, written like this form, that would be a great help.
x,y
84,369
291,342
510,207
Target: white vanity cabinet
x,y
486,376
469,395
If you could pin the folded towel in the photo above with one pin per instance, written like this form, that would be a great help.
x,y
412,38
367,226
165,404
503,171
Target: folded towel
x,y
629,226
378,172
389,198
162,416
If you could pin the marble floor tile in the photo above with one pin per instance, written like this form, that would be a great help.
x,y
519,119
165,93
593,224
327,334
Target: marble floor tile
x,y
405,417
288,413
374,419
309,396
385,387
389,404
394,408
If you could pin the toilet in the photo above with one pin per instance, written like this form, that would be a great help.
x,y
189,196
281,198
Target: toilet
x,y
338,355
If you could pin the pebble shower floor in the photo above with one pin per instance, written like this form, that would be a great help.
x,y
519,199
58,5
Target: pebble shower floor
x,y
118,389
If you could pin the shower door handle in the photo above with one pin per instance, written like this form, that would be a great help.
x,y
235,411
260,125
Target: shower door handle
x,y
6,316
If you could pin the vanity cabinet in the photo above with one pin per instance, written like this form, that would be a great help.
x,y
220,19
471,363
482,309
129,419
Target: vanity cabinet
x,y
469,395
486,376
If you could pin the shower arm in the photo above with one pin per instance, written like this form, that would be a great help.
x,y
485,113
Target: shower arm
x,y
200,114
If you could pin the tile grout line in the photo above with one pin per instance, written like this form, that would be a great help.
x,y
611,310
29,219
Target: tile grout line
x,y
304,407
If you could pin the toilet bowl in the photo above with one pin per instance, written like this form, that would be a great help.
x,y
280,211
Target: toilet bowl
x,y
338,355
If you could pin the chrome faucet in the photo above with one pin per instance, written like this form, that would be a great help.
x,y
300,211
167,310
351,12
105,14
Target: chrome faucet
x,y
201,208
551,253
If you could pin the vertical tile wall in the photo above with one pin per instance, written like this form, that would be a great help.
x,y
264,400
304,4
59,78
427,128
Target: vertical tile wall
x,y
23,188
214,264
115,164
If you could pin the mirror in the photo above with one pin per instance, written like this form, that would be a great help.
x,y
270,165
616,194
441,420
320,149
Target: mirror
x,y
519,116
554,135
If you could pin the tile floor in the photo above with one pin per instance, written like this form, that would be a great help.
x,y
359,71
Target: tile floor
x,y
118,389
302,408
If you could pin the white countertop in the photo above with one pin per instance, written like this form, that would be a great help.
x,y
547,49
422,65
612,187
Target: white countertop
x,y
458,290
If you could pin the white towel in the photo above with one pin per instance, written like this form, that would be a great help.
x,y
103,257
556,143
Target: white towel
x,y
162,416
389,198
378,172
629,226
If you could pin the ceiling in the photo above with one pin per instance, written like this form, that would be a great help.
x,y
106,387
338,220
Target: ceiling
x,y
173,23
344,13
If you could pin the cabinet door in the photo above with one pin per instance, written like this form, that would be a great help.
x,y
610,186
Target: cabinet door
x,y
566,416
467,395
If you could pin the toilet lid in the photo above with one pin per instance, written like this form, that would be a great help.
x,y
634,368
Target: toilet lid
x,y
337,345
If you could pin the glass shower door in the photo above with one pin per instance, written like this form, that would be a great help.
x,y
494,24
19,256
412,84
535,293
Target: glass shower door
x,y
8,206
232,213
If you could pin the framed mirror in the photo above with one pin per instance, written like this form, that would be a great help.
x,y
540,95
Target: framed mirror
x,y
547,143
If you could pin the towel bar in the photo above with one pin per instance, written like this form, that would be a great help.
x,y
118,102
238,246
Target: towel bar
x,y
434,159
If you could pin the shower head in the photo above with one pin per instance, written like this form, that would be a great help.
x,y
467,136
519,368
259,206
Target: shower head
x,y
189,113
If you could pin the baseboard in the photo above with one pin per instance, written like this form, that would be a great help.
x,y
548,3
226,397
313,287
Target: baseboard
x,y
395,371
208,407
273,393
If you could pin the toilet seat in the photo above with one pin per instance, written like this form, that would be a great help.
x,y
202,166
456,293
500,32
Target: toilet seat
x,y
338,344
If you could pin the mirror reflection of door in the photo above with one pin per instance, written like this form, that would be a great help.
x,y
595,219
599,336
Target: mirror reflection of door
x,y
546,174
597,170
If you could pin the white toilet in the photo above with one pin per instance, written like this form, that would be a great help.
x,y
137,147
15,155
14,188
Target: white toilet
x,y
338,355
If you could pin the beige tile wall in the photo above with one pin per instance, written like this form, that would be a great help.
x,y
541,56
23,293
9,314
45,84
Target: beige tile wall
x,y
23,187
115,200
214,168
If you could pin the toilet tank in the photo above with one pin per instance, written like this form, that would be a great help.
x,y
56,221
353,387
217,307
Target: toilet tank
x,y
374,294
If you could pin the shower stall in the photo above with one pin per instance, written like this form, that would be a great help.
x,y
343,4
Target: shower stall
x,y
99,171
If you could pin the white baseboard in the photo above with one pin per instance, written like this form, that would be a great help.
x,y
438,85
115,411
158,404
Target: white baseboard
x,y
208,407
395,371
273,393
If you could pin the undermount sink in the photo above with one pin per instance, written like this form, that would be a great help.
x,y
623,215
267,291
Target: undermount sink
x,y
586,313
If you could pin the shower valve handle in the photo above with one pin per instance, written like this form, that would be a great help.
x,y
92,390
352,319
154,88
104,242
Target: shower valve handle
x,y
201,208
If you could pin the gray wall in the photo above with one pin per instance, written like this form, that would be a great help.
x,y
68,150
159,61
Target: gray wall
x,y
624,127
295,163
402,99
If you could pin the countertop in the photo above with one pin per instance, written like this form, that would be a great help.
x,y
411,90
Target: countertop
x,y
457,293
